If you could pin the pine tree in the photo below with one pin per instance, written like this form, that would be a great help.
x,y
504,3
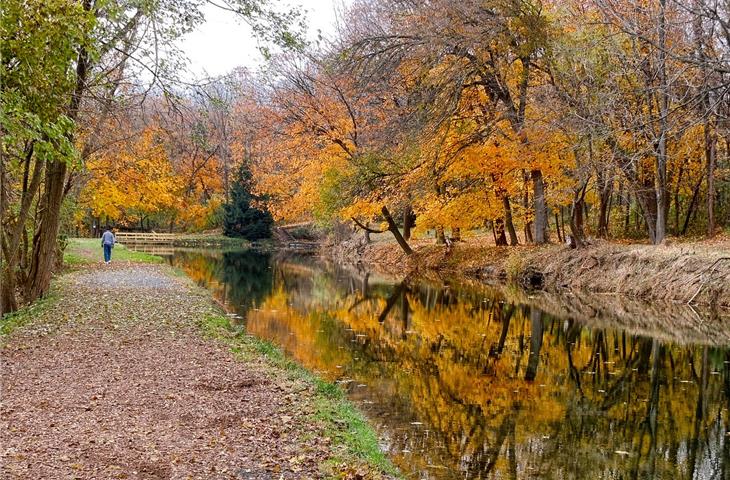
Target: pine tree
x,y
241,219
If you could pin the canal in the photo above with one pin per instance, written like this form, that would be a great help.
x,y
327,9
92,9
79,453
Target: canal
x,y
464,380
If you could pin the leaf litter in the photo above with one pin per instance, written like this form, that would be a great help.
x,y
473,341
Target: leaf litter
x,y
116,381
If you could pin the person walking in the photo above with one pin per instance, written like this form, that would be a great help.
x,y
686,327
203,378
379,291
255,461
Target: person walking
x,y
107,243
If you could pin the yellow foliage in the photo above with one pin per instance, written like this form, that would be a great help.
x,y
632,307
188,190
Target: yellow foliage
x,y
138,179
132,181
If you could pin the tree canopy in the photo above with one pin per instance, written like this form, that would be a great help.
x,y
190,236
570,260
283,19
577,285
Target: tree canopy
x,y
75,79
531,121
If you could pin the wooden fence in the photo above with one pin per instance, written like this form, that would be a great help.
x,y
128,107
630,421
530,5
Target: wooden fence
x,y
144,238
159,250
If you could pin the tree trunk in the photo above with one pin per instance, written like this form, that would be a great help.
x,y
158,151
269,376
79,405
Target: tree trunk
x,y
508,221
648,206
4,189
711,154
366,236
576,217
536,332
526,208
700,414
8,300
399,290
692,205
661,154
538,186
455,234
396,233
23,261
577,213
409,221
440,236
528,233
405,310
15,233
605,189
500,238
45,239
677,199
576,225
611,198
660,231
504,318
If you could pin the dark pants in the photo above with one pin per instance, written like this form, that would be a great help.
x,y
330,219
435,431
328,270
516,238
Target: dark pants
x,y
107,253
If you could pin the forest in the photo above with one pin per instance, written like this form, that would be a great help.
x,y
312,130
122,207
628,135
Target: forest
x,y
527,121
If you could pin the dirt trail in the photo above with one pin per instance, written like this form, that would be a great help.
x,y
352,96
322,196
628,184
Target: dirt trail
x,y
115,381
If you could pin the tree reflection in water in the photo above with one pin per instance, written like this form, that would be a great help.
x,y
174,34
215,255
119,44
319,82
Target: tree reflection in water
x,y
240,278
464,381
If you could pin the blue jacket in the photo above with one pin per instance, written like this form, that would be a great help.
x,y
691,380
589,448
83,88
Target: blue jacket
x,y
107,238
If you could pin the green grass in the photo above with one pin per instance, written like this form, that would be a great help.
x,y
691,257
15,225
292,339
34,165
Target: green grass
x,y
344,424
24,315
88,250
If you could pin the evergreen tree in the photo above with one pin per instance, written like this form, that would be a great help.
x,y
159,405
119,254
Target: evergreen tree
x,y
241,219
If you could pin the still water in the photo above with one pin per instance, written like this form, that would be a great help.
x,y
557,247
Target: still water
x,y
465,381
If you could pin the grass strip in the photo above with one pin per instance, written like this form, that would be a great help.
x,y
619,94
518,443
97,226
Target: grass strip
x,y
88,250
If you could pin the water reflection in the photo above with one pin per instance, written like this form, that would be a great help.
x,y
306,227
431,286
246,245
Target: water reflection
x,y
465,382
239,278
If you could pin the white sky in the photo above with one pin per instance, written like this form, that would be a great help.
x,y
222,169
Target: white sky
x,y
223,42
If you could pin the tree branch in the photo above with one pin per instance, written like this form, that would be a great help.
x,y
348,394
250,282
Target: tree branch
x,y
367,229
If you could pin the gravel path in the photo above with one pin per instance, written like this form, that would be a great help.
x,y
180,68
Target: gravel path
x,y
114,381
129,278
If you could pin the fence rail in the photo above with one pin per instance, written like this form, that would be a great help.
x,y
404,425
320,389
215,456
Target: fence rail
x,y
146,238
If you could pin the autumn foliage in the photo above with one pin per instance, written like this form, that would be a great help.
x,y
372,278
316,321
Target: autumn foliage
x,y
526,121
529,122
538,121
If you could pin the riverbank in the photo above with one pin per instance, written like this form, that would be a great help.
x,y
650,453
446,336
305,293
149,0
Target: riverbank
x,y
131,371
209,240
678,272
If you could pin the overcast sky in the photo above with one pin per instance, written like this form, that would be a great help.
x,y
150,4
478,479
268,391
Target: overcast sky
x,y
224,43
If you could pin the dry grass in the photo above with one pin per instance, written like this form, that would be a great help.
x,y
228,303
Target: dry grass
x,y
669,272
672,272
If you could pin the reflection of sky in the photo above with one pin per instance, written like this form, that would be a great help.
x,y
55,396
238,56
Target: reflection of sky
x,y
449,409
